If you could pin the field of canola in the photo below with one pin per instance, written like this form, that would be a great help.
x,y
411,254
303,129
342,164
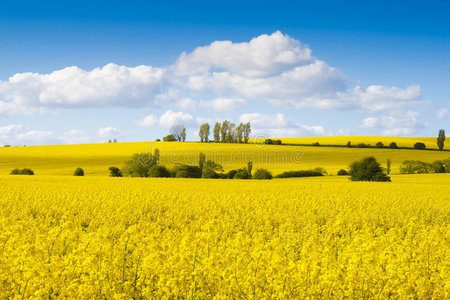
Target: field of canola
x,y
103,237
95,159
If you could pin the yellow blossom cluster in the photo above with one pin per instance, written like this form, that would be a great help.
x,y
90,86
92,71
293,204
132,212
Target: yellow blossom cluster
x,y
124,238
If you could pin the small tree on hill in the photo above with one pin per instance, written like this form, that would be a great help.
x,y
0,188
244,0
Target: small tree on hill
x,y
367,169
246,130
441,139
177,131
169,138
393,145
262,174
379,145
419,146
388,166
250,167
115,172
139,165
78,172
216,132
183,134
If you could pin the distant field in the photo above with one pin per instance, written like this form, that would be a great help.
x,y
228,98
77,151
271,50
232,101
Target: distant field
x,y
430,142
95,159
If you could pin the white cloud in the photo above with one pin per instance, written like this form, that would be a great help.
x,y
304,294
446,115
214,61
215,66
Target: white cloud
x,y
148,121
225,104
274,68
110,133
442,113
264,121
74,136
168,119
111,85
18,135
395,124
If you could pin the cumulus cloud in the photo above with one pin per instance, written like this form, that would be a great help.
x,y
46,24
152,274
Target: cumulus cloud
x,y
395,124
224,104
18,135
442,113
275,68
74,136
110,133
168,119
277,125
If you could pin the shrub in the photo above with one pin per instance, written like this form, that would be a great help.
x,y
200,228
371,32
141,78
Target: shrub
x,y
362,145
349,144
420,146
242,174
209,172
78,172
438,167
115,172
414,166
185,171
342,172
230,174
316,144
272,142
25,171
262,174
169,138
320,170
379,145
367,169
15,172
306,173
158,140
393,145
139,165
158,171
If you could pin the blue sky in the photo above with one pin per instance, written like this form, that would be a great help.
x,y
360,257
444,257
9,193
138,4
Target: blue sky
x,y
86,71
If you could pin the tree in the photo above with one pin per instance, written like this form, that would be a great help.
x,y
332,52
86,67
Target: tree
x,y
388,166
379,145
231,133
246,130
177,131
342,172
240,132
183,134
242,174
139,165
367,169
158,171
78,172
185,171
114,140
393,145
217,132
250,167
204,132
224,131
115,172
262,174
441,139
156,155
109,141
201,160
419,146
169,138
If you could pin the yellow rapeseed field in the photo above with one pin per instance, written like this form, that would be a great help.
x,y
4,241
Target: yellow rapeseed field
x,y
100,237
95,159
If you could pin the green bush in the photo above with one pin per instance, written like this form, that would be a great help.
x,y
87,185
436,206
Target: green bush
x,y
242,174
438,167
303,173
379,145
25,171
15,172
320,170
209,172
420,146
169,138
230,174
342,172
367,169
185,171
262,174
139,165
115,172
78,172
159,171
414,166
393,145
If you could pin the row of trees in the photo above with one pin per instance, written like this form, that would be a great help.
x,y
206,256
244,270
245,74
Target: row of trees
x,y
226,132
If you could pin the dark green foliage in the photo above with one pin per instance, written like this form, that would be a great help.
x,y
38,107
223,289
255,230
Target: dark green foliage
x,y
438,167
441,139
393,145
414,166
139,165
242,174
367,169
78,172
201,160
15,172
342,172
349,144
169,138
159,171
209,172
379,145
262,174
362,145
213,165
320,170
158,140
316,144
272,142
157,156
185,171
25,171
230,174
115,172
420,146
303,173
388,166
217,132
250,167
